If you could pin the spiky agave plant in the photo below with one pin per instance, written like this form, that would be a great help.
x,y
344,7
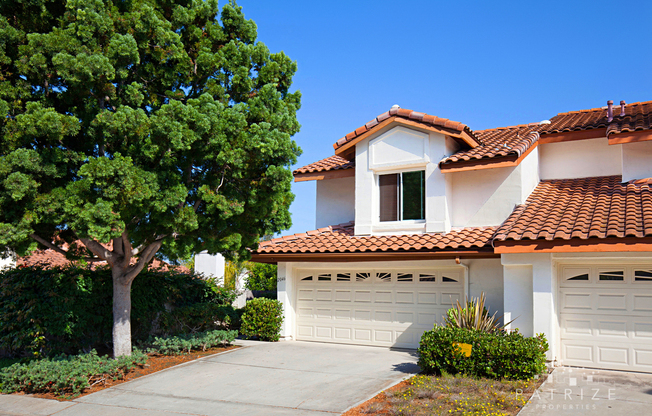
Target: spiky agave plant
x,y
474,316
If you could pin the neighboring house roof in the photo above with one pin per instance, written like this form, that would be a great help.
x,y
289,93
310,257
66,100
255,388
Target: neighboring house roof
x,y
51,258
340,240
582,210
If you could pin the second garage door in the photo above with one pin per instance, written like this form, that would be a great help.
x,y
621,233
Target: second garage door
x,y
390,308
606,317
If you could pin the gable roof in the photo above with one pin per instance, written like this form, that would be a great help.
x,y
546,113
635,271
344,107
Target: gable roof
x,y
454,129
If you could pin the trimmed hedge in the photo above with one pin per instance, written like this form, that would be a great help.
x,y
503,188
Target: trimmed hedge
x,y
495,355
65,310
262,318
66,374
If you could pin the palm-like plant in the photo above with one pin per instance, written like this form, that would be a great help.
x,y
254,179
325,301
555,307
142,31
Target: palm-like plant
x,y
474,316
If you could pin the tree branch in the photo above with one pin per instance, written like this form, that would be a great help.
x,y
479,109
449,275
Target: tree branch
x,y
143,260
48,244
128,251
99,250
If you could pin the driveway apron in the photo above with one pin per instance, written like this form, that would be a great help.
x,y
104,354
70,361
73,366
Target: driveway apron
x,y
580,391
283,378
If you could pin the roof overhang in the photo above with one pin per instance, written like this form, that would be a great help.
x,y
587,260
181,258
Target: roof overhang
x,y
574,245
274,258
347,150
569,136
630,137
329,174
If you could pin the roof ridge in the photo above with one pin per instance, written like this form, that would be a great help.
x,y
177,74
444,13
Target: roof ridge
x,y
322,230
516,126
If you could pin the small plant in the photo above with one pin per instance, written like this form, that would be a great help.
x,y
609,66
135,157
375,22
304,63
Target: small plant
x,y
262,318
67,374
182,344
474,316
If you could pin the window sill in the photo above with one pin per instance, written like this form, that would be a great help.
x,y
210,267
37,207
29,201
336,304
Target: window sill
x,y
399,227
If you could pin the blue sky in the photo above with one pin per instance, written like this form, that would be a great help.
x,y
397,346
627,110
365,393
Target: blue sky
x,y
485,64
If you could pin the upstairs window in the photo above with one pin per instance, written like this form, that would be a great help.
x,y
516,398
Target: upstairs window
x,y
403,196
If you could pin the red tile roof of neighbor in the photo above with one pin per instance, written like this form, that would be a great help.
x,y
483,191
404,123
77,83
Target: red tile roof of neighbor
x,y
600,207
340,239
506,141
50,258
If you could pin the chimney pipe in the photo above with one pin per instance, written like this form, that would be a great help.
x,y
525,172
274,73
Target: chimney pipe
x,y
610,111
622,108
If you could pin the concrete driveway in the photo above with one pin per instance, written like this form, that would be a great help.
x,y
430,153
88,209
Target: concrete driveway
x,y
282,378
579,391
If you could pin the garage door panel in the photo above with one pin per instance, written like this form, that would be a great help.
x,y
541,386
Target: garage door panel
x,y
382,296
613,355
612,328
643,358
404,296
343,295
642,303
375,307
643,330
449,298
612,302
427,298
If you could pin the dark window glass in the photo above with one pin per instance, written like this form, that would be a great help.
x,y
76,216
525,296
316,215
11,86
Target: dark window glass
x,y
643,276
388,197
580,277
414,198
617,276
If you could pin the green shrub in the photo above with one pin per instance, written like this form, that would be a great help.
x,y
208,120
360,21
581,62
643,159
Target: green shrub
x,y
494,355
262,318
66,310
181,344
66,374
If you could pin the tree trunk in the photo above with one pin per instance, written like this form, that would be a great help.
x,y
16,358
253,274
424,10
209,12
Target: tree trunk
x,y
121,313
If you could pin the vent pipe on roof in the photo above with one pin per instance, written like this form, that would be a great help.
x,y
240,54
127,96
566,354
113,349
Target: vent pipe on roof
x,y
610,111
396,106
622,108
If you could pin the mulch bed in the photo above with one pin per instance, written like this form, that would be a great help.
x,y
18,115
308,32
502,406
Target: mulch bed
x,y
154,363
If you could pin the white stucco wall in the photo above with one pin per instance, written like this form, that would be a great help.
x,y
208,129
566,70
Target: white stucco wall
x,y
7,262
488,196
211,265
335,201
540,270
400,149
517,296
579,159
486,276
636,160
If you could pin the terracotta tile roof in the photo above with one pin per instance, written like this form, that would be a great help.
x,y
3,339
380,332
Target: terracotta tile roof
x,y
330,163
600,207
409,115
638,116
50,258
500,142
340,239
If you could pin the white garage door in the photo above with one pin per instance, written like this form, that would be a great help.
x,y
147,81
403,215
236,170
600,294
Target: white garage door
x,y
374,307
606,317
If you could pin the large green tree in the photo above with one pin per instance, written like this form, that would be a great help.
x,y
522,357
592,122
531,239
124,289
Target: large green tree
x,y
141,128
